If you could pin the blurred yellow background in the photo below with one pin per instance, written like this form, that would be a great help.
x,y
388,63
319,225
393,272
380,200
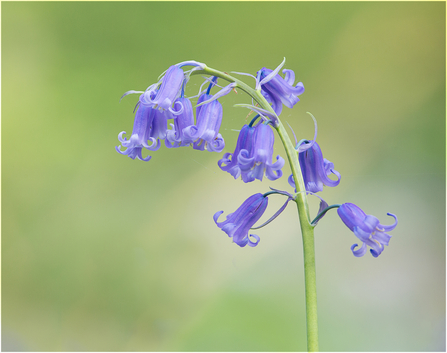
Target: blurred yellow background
x,y
102,253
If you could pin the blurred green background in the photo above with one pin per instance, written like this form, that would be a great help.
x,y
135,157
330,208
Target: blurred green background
x,y
100,252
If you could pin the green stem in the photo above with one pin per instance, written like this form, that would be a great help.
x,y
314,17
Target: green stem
x,y
307,231
307,228
311,289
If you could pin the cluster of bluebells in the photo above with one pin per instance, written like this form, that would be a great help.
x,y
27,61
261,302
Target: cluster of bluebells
x,y
253,155
166,101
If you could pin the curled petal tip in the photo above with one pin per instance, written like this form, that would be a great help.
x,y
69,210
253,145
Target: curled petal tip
x,y
392,215
391,227
252,243
359,252
217,215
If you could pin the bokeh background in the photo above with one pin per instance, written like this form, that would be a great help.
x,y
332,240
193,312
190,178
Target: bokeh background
x,y
100,252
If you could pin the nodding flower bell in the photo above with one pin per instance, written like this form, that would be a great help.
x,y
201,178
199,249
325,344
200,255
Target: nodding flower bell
x,y
253,154
205,134
239,163
162,95
262,154
142,132
367,228
278,90
238,223
315,168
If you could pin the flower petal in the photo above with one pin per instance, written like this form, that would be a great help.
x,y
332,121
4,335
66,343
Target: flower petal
x,y
391,227
251,243
360,252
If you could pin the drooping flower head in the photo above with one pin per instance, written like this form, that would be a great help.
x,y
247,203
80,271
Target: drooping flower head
x,y
315,168
238,224
367,228
142,133
278,90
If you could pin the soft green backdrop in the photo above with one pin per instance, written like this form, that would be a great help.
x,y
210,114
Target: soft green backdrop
x,y
100,252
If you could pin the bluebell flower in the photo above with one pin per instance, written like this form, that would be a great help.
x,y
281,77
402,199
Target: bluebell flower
x,y
163,94
367,228
262,154
205,134
141,134
240,160
253,155
315,168
278,90
238,224
175,137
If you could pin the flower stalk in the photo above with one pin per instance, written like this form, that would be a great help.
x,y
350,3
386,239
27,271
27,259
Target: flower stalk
x,y
307,231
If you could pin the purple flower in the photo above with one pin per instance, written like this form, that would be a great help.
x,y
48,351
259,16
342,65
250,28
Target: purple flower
x,y
262,153
253,154
175,137
163,96
235,163
367,228
141,134
278,90
205,134
315,168
238,224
